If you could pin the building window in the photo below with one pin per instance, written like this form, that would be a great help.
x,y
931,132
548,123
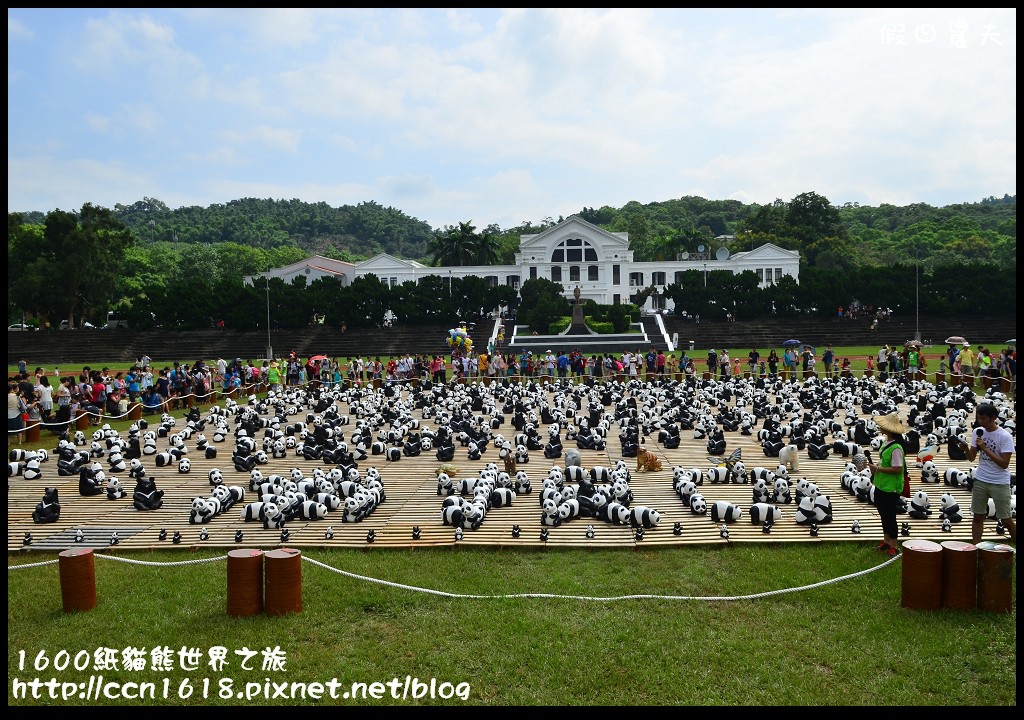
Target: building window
x,y
491,280
592,273
556,274
512,281
778,274
658,278
533,272
574,250
636,279
392,282
616,278
679,277
574,273
760,276
616,299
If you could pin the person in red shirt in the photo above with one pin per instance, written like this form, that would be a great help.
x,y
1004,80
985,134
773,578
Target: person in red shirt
x,y
97,396
660,363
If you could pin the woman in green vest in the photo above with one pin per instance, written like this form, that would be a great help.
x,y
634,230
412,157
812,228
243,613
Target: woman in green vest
x,y
888,476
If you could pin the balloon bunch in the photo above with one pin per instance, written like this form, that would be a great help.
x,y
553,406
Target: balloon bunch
x,y
458,338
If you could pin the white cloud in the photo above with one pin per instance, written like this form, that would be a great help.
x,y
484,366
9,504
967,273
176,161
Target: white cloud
x,y
503,116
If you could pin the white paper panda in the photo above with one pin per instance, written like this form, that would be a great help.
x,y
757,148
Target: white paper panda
x,y
724,511
184,466
763,512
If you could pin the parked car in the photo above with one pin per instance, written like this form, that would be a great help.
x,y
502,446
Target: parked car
x,y
85,325
20,327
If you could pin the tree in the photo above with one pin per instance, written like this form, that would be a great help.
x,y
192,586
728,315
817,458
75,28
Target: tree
x,y
88,250
542,303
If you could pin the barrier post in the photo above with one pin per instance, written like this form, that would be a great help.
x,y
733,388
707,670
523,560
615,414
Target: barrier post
x,y
283,581
995,579
245,582
77,567
959,575
922,575
81,419
32,430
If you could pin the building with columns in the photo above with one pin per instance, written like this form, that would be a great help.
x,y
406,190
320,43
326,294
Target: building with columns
x,y
574,253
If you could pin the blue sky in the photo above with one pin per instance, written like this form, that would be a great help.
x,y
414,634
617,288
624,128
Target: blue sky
x,y
508,116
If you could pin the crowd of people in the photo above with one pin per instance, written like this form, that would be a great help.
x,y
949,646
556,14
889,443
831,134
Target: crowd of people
x,y
34,396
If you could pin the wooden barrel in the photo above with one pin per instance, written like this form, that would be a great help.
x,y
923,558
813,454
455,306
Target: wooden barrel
x,y
77,579
283,581
922,575
245,582
33,428
135,411
959,575
81,420
1005,384
995,579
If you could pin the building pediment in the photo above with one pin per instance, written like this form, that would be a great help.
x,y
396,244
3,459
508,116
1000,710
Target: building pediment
x,y
573,226
768,251
383,261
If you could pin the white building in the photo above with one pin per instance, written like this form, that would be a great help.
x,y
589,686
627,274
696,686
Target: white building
x,y
574,253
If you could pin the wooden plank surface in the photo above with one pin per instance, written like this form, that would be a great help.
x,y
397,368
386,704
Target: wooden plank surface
x,y
412,501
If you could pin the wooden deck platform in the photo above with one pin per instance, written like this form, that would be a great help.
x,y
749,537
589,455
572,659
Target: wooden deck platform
x,y
412,501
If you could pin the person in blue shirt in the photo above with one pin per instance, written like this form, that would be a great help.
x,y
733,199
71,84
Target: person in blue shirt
x,y
151,401
563,364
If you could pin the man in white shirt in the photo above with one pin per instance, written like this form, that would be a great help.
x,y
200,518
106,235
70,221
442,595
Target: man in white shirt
x,y
993,447
549,364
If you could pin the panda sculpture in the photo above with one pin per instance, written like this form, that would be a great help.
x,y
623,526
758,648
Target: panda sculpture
x,y
48,509
724,511
762,512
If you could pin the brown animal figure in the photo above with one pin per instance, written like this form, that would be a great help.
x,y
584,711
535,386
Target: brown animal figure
x,y
646,460
510,464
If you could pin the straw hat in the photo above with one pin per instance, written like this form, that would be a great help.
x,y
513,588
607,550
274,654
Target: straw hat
x,y
892,423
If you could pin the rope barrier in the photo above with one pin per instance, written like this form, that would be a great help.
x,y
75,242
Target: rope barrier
x,y
505,596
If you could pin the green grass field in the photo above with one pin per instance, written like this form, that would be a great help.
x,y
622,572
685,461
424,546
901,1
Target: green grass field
x,y
823,626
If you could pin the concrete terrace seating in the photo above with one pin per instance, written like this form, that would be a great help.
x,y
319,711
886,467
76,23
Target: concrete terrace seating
x,y
73,349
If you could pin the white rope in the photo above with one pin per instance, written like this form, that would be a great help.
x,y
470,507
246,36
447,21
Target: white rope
x,y
31,565
150,563
466,596
463,596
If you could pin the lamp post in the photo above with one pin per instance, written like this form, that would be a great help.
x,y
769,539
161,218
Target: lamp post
x,y
270,349
705,275
917,299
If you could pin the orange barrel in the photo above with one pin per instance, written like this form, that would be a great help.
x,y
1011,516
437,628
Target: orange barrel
x,y
995,579
32,430
940,378
77,579
245,582
959,575
81,420
1005,384
283,581
922,575
135,411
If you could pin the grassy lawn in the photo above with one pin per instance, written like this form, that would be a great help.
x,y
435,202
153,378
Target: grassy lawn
x,y
840,637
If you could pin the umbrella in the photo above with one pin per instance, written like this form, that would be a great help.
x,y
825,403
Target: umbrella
x,y
317,357
913,343
792,343
1011,341
955,340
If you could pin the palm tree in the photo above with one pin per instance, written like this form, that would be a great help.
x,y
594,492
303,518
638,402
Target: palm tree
x,y
462,245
